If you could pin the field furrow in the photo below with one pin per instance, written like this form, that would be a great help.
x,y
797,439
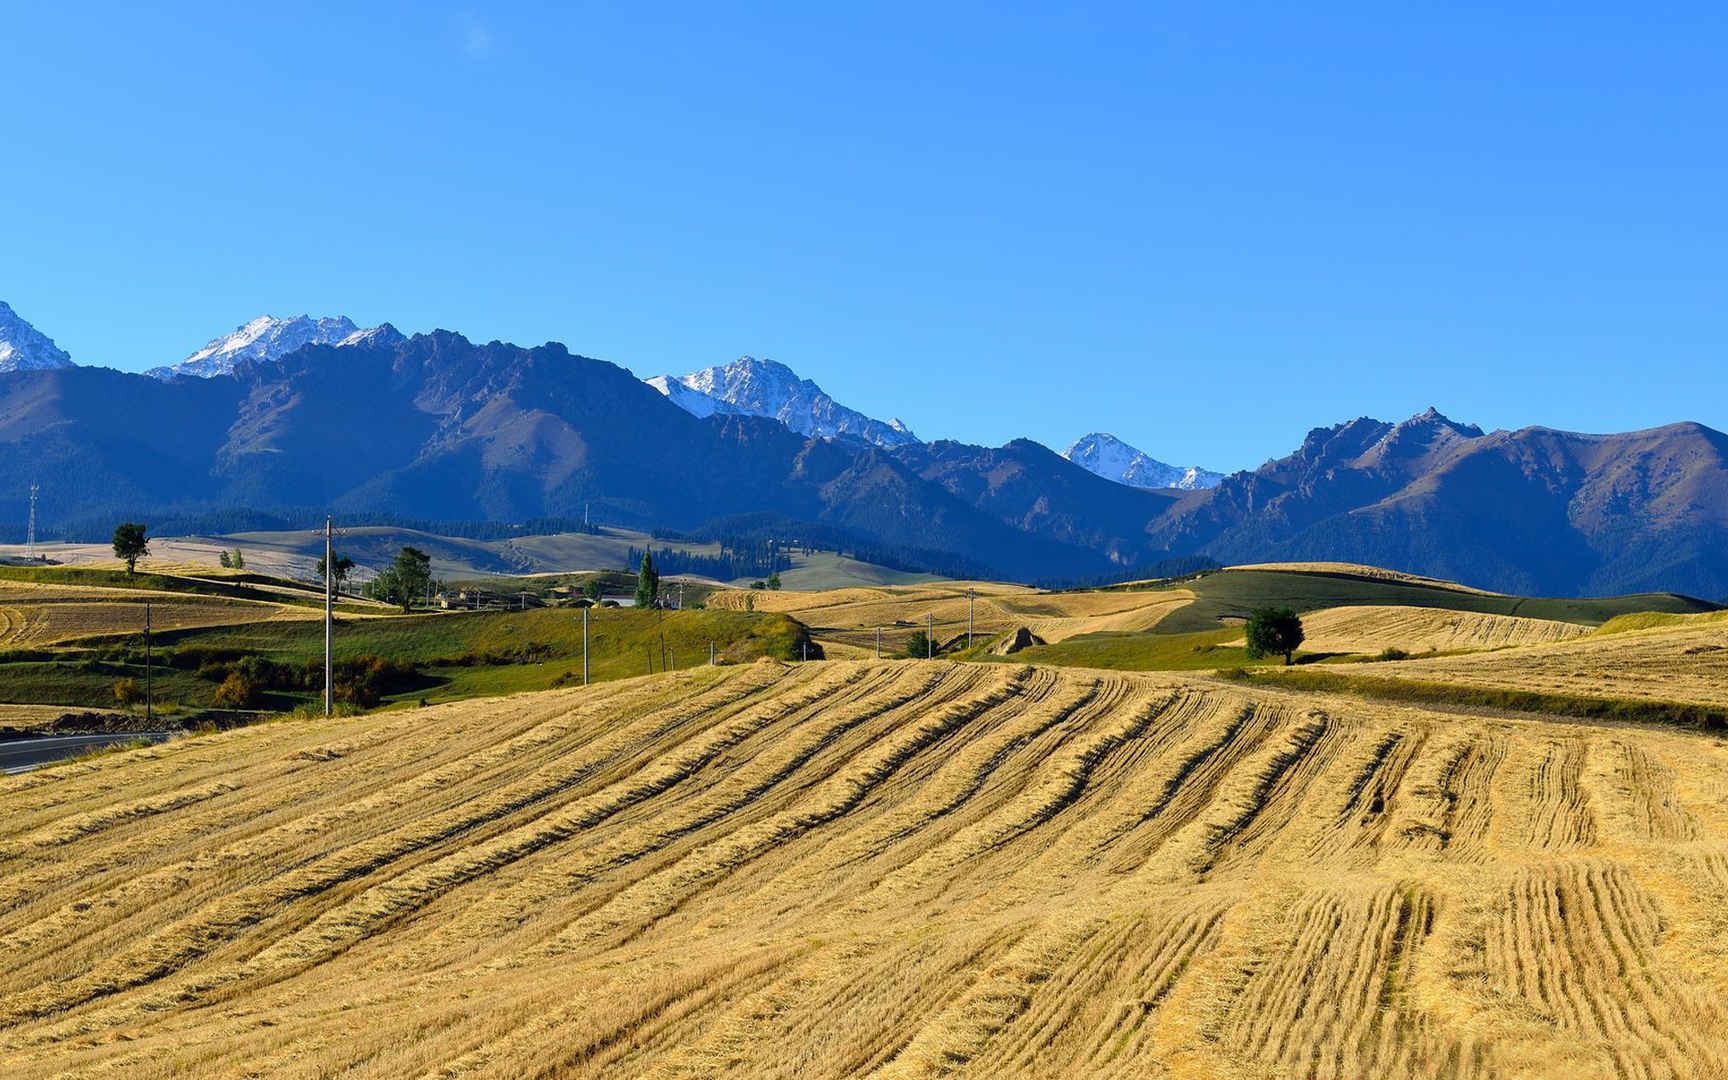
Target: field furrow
x,y
855,868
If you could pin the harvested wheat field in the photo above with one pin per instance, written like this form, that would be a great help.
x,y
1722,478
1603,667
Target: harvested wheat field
x,y
849,617
874,869
1687,663
1370,628
43,614
1378,573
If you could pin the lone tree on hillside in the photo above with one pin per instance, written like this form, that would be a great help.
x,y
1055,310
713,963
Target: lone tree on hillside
x,y
647,583
405,580
339,569
130,544
918,646
1274,632
239,560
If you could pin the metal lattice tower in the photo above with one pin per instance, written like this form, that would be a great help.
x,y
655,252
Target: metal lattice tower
x,y
30,532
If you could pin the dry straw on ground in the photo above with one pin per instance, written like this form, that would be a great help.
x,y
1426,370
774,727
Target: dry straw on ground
x,y
1370,628
889,869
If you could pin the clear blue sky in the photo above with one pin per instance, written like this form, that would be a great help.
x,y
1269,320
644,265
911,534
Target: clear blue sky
x,y
1206,230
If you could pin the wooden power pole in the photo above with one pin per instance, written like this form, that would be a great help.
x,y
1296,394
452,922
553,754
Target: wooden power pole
x,y
329,596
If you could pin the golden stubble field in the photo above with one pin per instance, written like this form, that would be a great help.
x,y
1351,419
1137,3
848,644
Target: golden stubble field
x,y
43,614
851,616
1369,628
875,869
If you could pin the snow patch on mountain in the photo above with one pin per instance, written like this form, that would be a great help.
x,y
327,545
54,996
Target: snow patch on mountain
x,y
694,402
25,348
264,338
1107,456
767,388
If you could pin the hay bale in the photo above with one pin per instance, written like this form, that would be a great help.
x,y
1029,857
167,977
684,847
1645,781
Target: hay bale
x,y
1020,637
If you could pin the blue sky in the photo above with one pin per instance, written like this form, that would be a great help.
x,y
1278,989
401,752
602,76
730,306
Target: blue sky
x,y
1206,228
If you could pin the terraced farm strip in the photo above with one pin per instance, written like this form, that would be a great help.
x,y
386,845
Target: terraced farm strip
x,y
893,869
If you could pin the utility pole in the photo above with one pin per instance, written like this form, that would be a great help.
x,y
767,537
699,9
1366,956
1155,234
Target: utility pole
x,y
329,578
648,651
878,643
710,652
149,684
930,638
585,646
969,593
30,534
806,646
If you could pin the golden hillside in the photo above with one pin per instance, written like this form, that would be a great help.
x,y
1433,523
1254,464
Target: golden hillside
x,y
875,869
1367,628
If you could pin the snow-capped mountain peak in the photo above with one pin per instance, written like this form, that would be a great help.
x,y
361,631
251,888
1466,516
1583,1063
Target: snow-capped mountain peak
x,y
264,338
1107,456
768,388
25,348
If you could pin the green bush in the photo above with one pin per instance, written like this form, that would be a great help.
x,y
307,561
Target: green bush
x,y
128,692
238,692
1392,652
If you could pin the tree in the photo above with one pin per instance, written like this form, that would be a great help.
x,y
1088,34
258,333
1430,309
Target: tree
x,y
1274,632
647,583
339,570
130,544
222,557
239,560
405,580
918,646
773,581
592,590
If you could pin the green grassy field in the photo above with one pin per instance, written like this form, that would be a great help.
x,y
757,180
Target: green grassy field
x,y
1231,594
1202,650
458,655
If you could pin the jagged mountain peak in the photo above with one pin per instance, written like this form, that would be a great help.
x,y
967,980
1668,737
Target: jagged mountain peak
x,y
754,387
25,348
1106,455
266,338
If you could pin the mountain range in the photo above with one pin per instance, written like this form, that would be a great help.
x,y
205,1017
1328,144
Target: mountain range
x,y
436,427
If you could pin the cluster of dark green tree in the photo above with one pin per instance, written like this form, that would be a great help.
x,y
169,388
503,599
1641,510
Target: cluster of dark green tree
x,y
405,582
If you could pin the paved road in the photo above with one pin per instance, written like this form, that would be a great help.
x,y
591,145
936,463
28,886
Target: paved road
x,y
22,755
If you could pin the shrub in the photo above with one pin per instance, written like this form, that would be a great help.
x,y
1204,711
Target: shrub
x,y
1392,652
238,692
127,692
